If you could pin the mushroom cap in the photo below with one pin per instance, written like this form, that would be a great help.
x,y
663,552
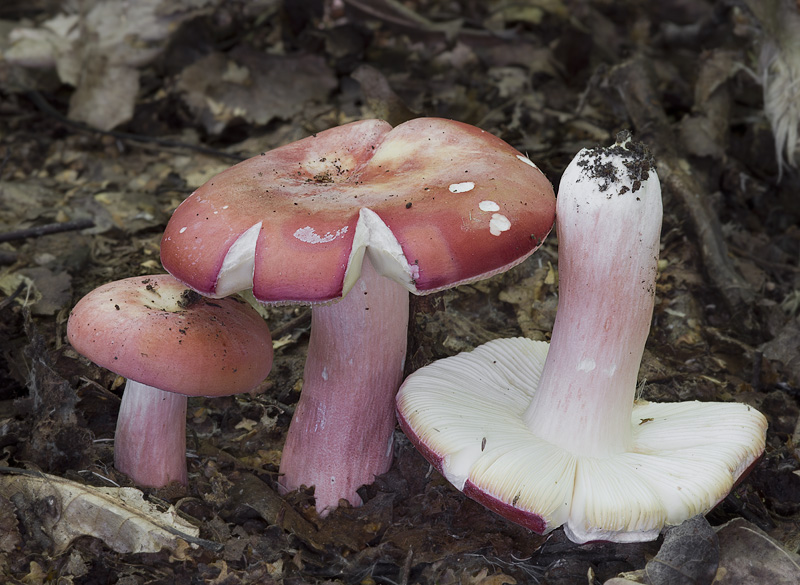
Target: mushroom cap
x,y
465,415
434,202
153,330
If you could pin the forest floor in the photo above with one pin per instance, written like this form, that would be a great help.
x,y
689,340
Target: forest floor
x,y
180,90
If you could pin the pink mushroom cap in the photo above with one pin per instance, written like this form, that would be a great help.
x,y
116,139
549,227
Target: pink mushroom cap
x,y
437,202
153,330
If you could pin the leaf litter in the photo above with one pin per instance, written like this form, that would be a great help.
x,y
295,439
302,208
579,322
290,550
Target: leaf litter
x,y
176,91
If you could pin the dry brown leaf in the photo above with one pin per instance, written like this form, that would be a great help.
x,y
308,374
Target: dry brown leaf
x,y
783,348
254,86
749,555
705,132
483,578
100,51
119,517
10,538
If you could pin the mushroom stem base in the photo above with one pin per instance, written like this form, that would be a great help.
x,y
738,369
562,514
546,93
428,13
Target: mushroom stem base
x,y
341,435
150,442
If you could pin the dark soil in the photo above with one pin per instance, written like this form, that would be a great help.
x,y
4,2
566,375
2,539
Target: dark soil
x,y
549,78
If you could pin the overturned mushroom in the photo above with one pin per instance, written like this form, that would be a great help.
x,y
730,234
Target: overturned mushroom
x,y
550,435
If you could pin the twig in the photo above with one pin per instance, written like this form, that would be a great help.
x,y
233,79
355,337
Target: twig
x,y
302,320
763,262
50,228
395,14
40,102
632,81
406,572
10,299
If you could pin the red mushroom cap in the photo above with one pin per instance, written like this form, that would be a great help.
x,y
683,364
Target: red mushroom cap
x,y
436,202
153,330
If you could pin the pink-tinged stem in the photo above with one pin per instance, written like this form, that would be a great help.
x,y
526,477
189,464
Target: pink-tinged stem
x,y
341,435
150,442
608,254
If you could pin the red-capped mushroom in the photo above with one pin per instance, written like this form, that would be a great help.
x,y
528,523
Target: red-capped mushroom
x,y
170,343
429,204
551,434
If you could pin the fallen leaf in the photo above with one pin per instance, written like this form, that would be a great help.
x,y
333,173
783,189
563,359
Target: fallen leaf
x,y
54,289
254,86
120,517
690,554
783,348
748,555
10,538
100,50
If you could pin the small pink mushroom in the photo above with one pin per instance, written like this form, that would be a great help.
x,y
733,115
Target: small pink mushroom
x,y
429,204
170,343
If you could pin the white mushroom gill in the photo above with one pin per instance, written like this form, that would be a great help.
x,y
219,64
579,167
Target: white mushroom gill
x,y
387,257
527,161
239,264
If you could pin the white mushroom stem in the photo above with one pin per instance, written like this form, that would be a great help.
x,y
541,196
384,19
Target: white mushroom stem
x,y
150,442
340,437
608,243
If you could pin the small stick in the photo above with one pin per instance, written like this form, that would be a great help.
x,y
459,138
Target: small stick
x,y
632,81
43,230
40,102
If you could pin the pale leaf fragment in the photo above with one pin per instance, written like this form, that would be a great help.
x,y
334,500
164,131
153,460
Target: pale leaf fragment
x,y
120,517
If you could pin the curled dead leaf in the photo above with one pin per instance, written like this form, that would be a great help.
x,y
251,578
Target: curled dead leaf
x,y
120,517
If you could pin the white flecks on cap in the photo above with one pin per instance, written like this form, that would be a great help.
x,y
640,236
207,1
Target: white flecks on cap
x,y
462,187
385,253
498,224
527,161
309,236
239,265
325,373
183,229
587,365
488,206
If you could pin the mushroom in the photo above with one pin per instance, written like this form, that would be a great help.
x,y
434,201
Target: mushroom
x,y
170,343
359,214
551,435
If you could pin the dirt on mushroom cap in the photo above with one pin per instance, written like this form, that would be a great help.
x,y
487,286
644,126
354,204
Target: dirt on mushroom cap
x,y
307,196
154,330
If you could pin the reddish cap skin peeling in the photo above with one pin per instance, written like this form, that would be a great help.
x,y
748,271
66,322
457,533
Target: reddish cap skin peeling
x,y
415,177
153,330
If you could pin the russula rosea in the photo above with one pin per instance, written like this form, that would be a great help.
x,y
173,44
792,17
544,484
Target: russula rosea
x,y
429,204
551,435
170,343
